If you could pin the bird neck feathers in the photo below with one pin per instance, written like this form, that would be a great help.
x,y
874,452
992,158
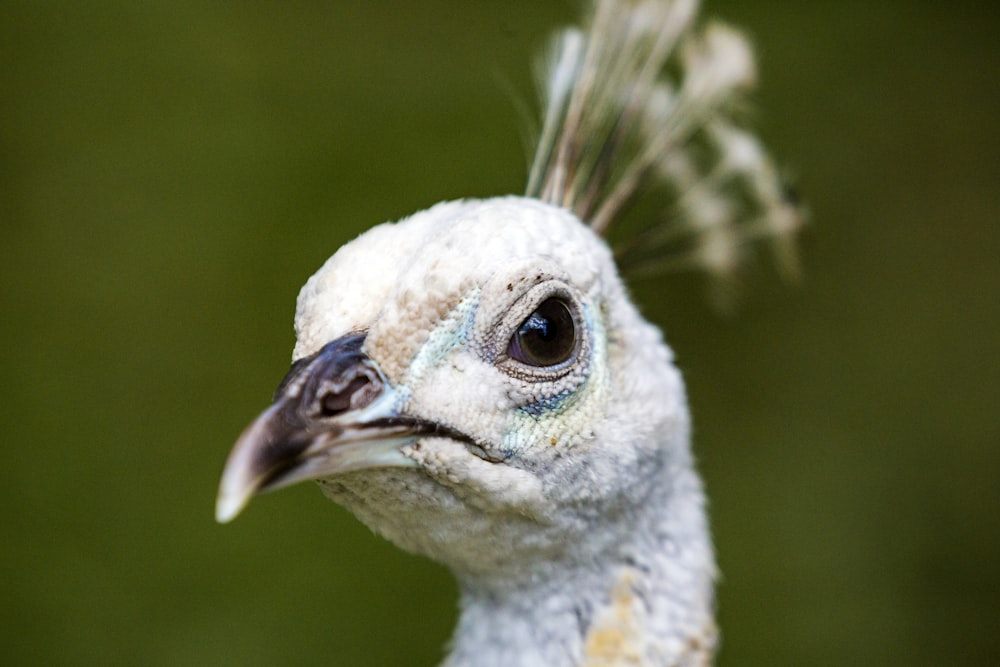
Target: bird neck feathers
x,y
646,600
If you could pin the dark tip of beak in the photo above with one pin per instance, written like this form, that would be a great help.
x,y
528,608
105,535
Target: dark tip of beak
x,y
333,413
337,380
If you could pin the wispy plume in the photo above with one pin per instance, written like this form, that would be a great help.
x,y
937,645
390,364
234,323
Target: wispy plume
x,y
641,100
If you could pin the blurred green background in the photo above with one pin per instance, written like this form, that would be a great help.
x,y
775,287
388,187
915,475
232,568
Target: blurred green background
x,y
171,172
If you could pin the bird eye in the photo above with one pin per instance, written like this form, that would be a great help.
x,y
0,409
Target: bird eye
x,y
547,337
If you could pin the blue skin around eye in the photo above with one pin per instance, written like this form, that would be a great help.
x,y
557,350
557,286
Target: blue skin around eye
x,y
548,405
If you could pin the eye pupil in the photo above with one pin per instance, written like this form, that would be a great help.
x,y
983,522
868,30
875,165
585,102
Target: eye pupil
x,y
547,337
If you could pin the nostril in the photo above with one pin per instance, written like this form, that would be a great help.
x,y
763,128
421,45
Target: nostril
x,y
337,380
333,403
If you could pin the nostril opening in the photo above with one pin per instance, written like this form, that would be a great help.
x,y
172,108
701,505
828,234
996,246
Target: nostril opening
x,y
334,403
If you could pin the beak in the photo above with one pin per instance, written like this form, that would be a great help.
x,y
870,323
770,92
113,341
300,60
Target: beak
x,y
334,412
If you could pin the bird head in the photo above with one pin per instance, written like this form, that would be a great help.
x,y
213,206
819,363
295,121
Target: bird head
x,y
473,383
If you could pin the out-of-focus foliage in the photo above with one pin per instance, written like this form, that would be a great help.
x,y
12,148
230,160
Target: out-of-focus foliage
x,y
170,173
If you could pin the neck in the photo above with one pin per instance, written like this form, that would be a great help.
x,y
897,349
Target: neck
x,y
645,601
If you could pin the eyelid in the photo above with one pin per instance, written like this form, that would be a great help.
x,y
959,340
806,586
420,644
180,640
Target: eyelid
x,y
507,325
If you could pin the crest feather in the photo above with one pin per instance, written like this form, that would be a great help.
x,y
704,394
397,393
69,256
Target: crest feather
x,y
641,100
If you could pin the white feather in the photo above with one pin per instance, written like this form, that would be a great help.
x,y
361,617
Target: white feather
x,y
617,126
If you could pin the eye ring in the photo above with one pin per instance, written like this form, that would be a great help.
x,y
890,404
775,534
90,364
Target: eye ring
x,y
548,337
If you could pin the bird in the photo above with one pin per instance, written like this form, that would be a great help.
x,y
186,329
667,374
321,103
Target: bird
x,y
474,383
